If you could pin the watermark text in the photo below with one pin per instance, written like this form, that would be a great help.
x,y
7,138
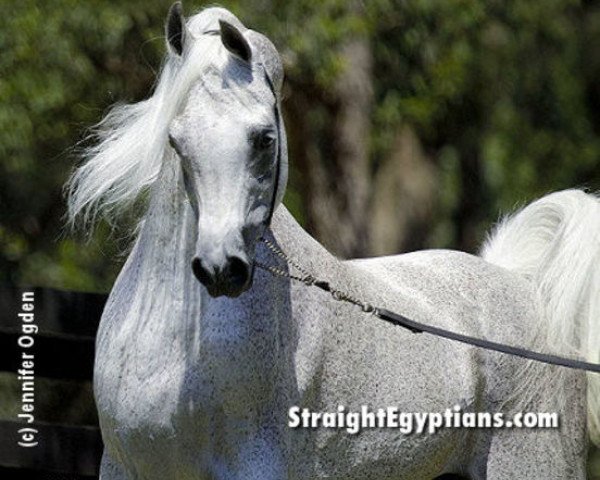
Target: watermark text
x,y
26,373
416,422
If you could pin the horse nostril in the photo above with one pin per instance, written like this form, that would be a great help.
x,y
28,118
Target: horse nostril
x,y
238,272
201,273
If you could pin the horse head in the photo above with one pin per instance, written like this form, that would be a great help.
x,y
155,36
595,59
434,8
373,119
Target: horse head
x,y
229,138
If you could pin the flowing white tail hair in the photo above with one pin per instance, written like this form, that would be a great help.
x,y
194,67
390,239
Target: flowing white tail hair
x,y
555,242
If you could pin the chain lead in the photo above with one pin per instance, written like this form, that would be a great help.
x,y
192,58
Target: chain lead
x,y
308,279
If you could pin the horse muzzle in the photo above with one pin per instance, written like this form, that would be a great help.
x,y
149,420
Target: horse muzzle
x,y
230,276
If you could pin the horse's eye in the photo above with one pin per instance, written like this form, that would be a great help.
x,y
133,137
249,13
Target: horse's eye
x,y
264,140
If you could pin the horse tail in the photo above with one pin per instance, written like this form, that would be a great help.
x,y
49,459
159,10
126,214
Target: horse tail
x,y
555,242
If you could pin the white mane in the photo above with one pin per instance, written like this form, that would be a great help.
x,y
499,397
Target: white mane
x,y
130,143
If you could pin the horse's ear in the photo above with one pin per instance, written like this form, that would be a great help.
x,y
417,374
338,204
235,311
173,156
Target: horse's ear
x,y
235,42
175,28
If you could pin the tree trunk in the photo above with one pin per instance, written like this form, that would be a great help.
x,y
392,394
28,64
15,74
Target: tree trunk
x,y
405,197
335,187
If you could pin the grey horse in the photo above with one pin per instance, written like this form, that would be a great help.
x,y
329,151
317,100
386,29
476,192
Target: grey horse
x,y
201,356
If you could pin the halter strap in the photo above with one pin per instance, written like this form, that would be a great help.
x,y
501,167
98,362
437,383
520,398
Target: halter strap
x,y
278,159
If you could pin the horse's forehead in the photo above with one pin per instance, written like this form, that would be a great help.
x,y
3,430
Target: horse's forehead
x,y
244,96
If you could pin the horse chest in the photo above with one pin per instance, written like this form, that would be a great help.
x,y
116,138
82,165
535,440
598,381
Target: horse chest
x,y
168,385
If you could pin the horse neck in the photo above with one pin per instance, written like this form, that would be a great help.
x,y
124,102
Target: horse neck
x,y
298,245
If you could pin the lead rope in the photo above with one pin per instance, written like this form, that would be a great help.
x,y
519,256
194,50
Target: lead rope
x,y
413,326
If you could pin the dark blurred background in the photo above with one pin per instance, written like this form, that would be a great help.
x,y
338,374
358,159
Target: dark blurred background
x,y
413,124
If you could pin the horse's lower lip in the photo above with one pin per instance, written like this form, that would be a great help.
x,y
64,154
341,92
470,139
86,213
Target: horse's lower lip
x,y
223,290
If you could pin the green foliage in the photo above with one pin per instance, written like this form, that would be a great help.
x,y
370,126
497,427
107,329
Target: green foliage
x,y
510,83
63,64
